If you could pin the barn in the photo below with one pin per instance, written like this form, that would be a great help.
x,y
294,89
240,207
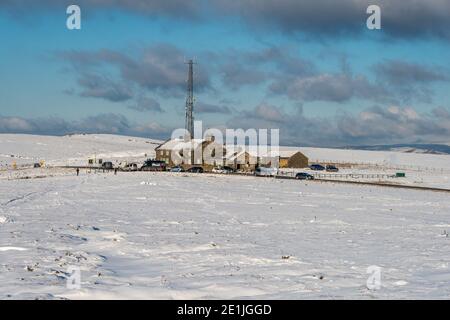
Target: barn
x,y
293,160
285,159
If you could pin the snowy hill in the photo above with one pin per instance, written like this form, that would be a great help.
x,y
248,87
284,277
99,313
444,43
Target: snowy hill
x,y
392,159
148,235
72,149
422,169
409,148
78,148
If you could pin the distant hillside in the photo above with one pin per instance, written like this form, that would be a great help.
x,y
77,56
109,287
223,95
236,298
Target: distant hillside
x,y
73,149
407,148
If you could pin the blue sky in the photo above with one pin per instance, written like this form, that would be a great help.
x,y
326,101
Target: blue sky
x,y
310,68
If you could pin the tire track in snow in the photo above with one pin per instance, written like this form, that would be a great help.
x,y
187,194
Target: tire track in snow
x,y
19,198
41,193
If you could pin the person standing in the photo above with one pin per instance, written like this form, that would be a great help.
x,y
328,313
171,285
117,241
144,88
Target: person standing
x,y
78,172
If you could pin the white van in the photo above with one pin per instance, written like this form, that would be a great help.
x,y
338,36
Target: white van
x,y
266,172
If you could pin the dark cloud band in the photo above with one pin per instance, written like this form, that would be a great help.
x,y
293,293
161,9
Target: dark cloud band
x,y
406,18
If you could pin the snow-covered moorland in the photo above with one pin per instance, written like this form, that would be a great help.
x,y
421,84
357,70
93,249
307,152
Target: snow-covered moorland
x,y
423,170
150,235
25,149
173,235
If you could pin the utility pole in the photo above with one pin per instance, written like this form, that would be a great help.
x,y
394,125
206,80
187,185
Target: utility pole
x,y
190,101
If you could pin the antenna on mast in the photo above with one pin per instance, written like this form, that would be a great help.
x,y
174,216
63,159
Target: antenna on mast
x,y
189,125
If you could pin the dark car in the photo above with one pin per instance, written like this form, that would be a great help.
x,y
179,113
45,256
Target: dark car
x,y
223,169
317,167
304,176
195,170
154,165
228,169
331,168
107,165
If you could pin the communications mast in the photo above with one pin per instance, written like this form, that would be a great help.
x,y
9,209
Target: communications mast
x,y
189,126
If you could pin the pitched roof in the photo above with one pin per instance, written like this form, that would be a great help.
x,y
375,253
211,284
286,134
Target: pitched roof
x,y
255,152
179,144
282,153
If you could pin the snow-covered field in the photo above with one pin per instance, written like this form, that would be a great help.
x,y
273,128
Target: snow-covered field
x,y
185,236
25,149
423,170
426,170
150,235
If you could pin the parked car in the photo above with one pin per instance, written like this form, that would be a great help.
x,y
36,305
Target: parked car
x,y
266,172
195,170
107,165
130,167
177,169
331,168
217,170
317,167
154,165
228,169
223,169
304,176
